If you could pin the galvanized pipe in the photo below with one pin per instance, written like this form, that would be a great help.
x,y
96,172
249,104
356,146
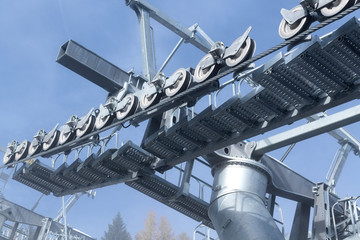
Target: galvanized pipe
x,y
237,209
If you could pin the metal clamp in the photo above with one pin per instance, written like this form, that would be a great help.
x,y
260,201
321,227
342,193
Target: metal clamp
x,y
39,137
71,124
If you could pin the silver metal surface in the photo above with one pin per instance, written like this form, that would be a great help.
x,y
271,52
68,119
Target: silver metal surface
x,y
309,130
280,102
315,77
20,216
146,44
189,36
338,165
237,201
96,69
167,193
287,183
300,226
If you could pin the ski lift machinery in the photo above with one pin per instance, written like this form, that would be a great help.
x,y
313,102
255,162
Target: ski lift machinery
x,y
318,75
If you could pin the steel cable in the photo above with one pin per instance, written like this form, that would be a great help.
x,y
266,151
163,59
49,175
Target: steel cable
x,y
217,77
257,57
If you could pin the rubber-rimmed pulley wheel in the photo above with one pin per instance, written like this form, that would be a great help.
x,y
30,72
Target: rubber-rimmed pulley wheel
x,y
129,108
34,149
245,52
52,141
66,137
87,128
181,84
287,31
335,7
102,122
23,152
146,102
201,74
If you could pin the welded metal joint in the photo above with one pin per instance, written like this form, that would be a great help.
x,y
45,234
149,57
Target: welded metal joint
x,y
243,150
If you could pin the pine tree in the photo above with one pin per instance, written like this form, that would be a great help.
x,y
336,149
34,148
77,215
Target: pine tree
x,y
116,230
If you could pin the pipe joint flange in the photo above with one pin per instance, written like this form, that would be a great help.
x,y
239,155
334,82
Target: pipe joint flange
x,y
244,162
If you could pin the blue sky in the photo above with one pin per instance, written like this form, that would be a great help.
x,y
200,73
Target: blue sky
x,y
36,92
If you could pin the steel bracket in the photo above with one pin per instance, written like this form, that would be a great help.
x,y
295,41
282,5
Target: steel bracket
x,y
234,48
155,86
104,111
309,7
39,137
208,62
50,134
84,119
172,80
12,145
121,94
11,148
122,104
217,52
70,124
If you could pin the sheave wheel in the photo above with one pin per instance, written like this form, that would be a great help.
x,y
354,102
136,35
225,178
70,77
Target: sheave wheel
x,y
181,84
335,7
52,141
146,102
245,52
23,152
66,137
130,107
34,149
103,121
87,128
201,74
287,30
8,157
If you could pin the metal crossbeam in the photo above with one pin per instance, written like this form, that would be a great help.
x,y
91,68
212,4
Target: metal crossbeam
x,y
96,69
189,36
309,130
339,134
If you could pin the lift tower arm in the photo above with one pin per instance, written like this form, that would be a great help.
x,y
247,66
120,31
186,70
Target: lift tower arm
x,y
204,44
144,11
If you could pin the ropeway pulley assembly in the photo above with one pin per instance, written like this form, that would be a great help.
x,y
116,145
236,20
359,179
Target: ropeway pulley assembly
x,y
123,103
319,74
300,18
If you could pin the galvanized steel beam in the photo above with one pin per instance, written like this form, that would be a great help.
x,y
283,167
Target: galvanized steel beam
x,y
189,36
339,134
309,130
96,69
